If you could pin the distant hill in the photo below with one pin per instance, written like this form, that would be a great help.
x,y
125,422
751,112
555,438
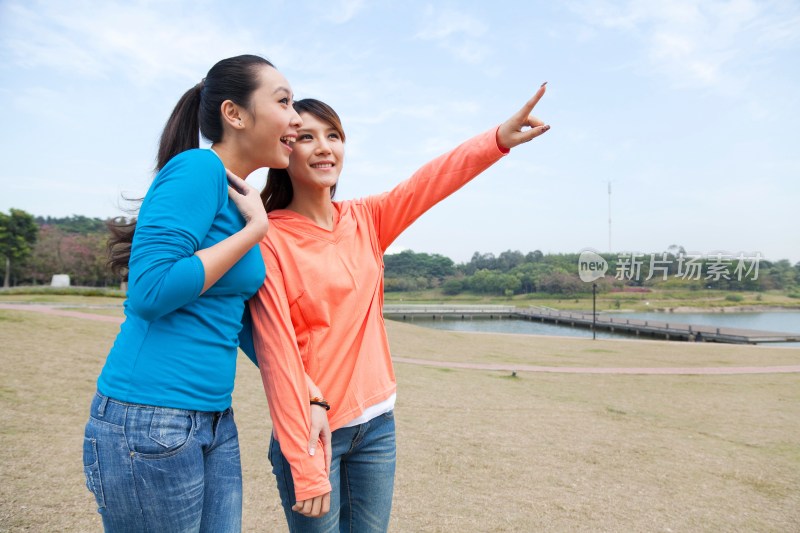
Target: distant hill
x,y
73,224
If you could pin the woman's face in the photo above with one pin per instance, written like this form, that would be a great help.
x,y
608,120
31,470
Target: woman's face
x,y
273,121
318,155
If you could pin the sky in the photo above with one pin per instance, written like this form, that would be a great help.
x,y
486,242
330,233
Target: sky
x,y
688,111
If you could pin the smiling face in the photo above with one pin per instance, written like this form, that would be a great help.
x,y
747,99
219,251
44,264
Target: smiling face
x,y
273,122
317,157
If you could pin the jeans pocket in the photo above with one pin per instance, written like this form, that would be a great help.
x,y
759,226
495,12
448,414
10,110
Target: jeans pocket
x,y
91,468
170,427
164,433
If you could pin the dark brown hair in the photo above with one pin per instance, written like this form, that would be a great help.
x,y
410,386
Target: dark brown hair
x,y
278,191
198,111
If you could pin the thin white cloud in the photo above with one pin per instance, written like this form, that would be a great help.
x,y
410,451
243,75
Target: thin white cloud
x,y
443,23
144,41
428,112
694,43
455,31
344,10
46,104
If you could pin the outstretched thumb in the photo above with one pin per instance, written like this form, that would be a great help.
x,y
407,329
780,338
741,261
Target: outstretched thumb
x,y
532,133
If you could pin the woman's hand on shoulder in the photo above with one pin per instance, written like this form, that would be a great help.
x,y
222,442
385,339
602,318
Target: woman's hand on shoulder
x,y
248,201
522,126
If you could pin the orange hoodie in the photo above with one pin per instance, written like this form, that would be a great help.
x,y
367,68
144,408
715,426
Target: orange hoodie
x,y
320,310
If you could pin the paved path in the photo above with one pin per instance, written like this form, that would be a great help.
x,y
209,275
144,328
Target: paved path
x,y
677,371
503,367
49,310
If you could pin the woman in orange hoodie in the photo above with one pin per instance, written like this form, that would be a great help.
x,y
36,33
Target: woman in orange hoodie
x,y
319,315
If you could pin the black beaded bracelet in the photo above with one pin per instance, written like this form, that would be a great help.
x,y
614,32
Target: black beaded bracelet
x,y
321,402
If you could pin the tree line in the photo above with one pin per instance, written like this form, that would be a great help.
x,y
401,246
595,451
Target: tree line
x,y
33,249
513,272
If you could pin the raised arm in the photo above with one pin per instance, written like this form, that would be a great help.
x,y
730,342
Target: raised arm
x,y
397,209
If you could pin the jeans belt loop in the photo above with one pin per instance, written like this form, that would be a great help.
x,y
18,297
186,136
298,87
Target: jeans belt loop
x,y
101,409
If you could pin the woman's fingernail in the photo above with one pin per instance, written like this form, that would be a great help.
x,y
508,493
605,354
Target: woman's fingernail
x,y
546,128
545,83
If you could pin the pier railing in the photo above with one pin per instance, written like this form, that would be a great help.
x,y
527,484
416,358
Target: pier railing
x,y
670,330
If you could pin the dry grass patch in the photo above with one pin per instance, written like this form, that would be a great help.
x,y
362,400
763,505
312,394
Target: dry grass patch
x,y
478,451
596,453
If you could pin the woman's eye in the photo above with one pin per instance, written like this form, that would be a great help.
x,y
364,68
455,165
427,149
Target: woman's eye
x,y
284,101
334,136
303,137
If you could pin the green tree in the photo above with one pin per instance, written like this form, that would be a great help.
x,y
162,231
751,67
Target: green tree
x,y
534,256
480,261
509,259
408,264
18,231
453,286
530,275
481,281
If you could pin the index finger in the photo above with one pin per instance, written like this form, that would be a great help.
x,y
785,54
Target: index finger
x,y
328,456
231,174
530,104
234,179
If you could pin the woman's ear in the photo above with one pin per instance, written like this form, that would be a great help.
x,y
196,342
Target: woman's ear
x,y
232,115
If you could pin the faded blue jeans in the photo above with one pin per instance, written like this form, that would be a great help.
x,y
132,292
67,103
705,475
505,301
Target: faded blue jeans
x,y
362,480
163,470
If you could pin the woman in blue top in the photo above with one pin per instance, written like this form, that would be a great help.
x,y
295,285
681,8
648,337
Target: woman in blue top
x,y
161,450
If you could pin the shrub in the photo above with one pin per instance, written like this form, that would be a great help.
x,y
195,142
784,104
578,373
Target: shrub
x,y
452,286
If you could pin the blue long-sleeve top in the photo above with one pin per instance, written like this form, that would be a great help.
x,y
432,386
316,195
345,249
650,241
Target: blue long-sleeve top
x,y
177,348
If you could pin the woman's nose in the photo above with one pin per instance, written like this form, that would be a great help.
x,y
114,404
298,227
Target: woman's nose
x,y
296,121
323,147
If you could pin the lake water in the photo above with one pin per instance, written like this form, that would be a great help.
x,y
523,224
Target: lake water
x,y
779,321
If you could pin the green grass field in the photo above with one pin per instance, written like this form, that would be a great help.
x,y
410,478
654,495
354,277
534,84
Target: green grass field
x,y
478,451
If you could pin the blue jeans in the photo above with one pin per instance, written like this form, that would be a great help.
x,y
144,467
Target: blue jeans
x,y
161,469
362,480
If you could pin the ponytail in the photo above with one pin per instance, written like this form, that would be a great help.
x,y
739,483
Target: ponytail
x,y
182,130
119,245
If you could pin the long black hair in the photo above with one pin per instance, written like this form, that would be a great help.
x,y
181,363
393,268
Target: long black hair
x,y
198,110
278,191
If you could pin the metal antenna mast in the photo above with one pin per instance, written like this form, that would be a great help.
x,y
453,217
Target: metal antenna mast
x,y
609,217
